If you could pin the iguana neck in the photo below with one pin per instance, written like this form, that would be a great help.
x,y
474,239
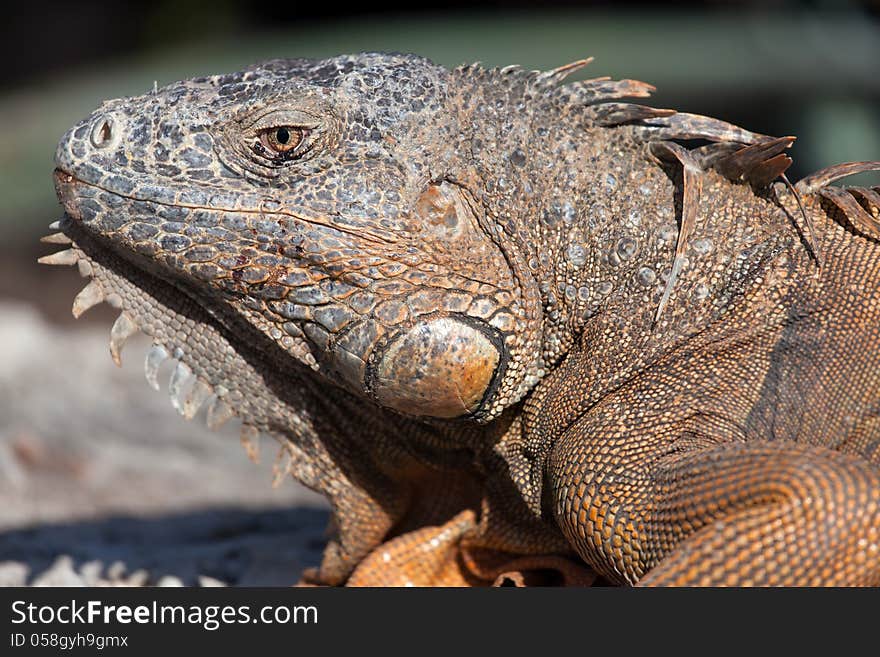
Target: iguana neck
x,y
597,224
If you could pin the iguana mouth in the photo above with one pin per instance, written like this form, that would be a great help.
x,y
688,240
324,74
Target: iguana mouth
x,y
75,204
66,182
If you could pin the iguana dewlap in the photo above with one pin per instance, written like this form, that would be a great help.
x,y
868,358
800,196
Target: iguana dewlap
x,y
513,329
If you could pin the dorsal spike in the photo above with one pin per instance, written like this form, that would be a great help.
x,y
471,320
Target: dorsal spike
x,y
597,90
56,238
179,385
862,222
123,328
828,175
870,197
609,114
683,125
66,257
90,296
758,164
556,76
218,413
692,176
250,440
812,240
200,392
153,361
710,154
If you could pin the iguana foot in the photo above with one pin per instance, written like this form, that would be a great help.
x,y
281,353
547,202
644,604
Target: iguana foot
x,y
424,557
438,556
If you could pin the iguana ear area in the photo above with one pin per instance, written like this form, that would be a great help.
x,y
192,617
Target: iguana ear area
x,y
440,211
443,367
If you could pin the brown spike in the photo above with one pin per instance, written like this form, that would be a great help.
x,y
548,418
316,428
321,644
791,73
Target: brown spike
x,y
682,125
123,328
56,238
562,72
609,114
760,164
556,76
200,392
91,295
692,177
602,89
572,67
66,257
767,171
250,440
218,413
279,471
709,154
819,179
861,221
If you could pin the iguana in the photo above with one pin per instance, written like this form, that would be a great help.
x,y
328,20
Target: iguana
x,y
514,328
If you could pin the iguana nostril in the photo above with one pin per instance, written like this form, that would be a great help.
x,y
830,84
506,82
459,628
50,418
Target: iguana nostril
x,y
103,133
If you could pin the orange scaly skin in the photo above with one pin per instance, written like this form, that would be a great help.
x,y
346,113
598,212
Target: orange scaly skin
x,y
517,331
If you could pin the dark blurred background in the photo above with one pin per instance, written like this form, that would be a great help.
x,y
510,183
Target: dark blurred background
x,y
95,465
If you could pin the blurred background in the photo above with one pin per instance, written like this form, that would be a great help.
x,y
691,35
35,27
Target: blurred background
x,y
100,481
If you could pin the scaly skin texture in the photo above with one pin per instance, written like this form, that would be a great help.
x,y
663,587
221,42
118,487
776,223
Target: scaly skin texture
x,y
516,331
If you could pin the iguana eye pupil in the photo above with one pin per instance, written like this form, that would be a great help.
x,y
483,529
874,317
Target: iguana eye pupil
x,y
282,140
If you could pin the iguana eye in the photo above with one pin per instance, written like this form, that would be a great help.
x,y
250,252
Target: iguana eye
x,y
281,139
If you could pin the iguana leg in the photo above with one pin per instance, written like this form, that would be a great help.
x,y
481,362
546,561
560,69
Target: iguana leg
x,y
734,514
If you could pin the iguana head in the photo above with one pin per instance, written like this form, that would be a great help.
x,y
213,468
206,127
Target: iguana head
x,y
334,205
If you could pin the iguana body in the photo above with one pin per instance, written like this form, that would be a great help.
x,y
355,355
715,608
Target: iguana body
x,y
505,325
